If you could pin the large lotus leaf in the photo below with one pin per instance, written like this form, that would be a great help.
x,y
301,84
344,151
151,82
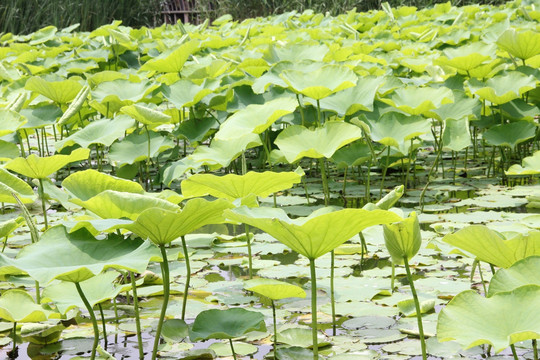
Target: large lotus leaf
x,y
522,44
462,107
94,225
315,235
225,324
234,186
96,289
7,227
518,109
179,168
222,152
79,256
122,91
354,99
89,183
10,184
40,167
134,147
61,92
195,130
8,150
489,246
501,89
255,118
320,83
501,320
274,289
510,134
10,121
185,93
296,52
296,142
172,61
467,57
146,115
353,154
419,100
111,204
164,226
103,131
523,272
397,130
456,134
272,76
40,116
530,166
18,306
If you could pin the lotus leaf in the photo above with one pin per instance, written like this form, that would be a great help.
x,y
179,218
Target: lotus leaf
x,y
146,115
7,227
10,184
18,306
467,57
522,272
501,320
456,134
274,289
10,121
40,167
225,324
172,61
353,154
223,152
351,100
61,92
521,44
134,147
403,238
530,166
501,89
40,116
419,100
510,134
122,91
185,93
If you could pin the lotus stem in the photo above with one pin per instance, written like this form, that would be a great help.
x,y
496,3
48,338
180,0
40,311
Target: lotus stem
x,y
188,276
13,353
384,171
232,349
166,290
103,325
92,317
43,207
5,243
428,179
417,306
535,349
363,251
38,295
275,328
314,309
393,278
482,278
147,163
250,260
343,190
514,352
324,179
137,316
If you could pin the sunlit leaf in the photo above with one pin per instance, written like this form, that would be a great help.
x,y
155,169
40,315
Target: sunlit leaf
x,y
37,167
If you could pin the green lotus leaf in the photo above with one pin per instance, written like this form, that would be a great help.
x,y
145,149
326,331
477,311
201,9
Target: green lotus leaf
x,y
179,168
7,227
89,183
195,130
18,306
353,99
501,320
402,239
95,226
462,107
97,289
311,236
61,92
353,154
185,93
103,132
467,57
40,116
296,52
501,89
111,204
530,166
223,152
122,91
522,272
522,44
255,118
146,115
518,110
225,324
510,134
419,100
10,184
320,83
10,121
274,289
79,256
163,226
491,247
175,330
296,142
456,134
134,147
172,61
234,186
40,167
8,150
390,199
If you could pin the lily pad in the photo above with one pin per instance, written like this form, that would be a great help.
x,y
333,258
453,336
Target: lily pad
x,y
225,324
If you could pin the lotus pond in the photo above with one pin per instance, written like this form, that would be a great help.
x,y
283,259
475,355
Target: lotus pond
x,y
300,186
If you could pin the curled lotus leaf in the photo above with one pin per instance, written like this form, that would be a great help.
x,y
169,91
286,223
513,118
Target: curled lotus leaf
x,y
530,166
18,306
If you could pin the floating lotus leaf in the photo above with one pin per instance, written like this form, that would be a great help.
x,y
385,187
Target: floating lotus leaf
x,y
18,306
172,61
353,99
501,89
311,236
320,83
274,289
522,44
225,324
112,204
456,134
89,183
163,226
419,100
61,92
489,246
255,118
79,256
185,93
510,134
10,184
530,166
501,320
234,186
296,142
146,115
103,132
134,147
40,167
10,121
522,272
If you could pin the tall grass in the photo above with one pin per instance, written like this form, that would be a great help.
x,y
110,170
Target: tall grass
x,y
26,16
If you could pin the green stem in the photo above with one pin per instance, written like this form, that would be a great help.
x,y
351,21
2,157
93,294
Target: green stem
x,y
422,195
393,278
275,329
43,207
116,320
326,192
417,306
232,349
535,349
92,317
384,171
514,352
188,276
14,351
166,290
482,278
5,243
332,294
103,324
38,295
137,316
343,190
314,309
250,260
